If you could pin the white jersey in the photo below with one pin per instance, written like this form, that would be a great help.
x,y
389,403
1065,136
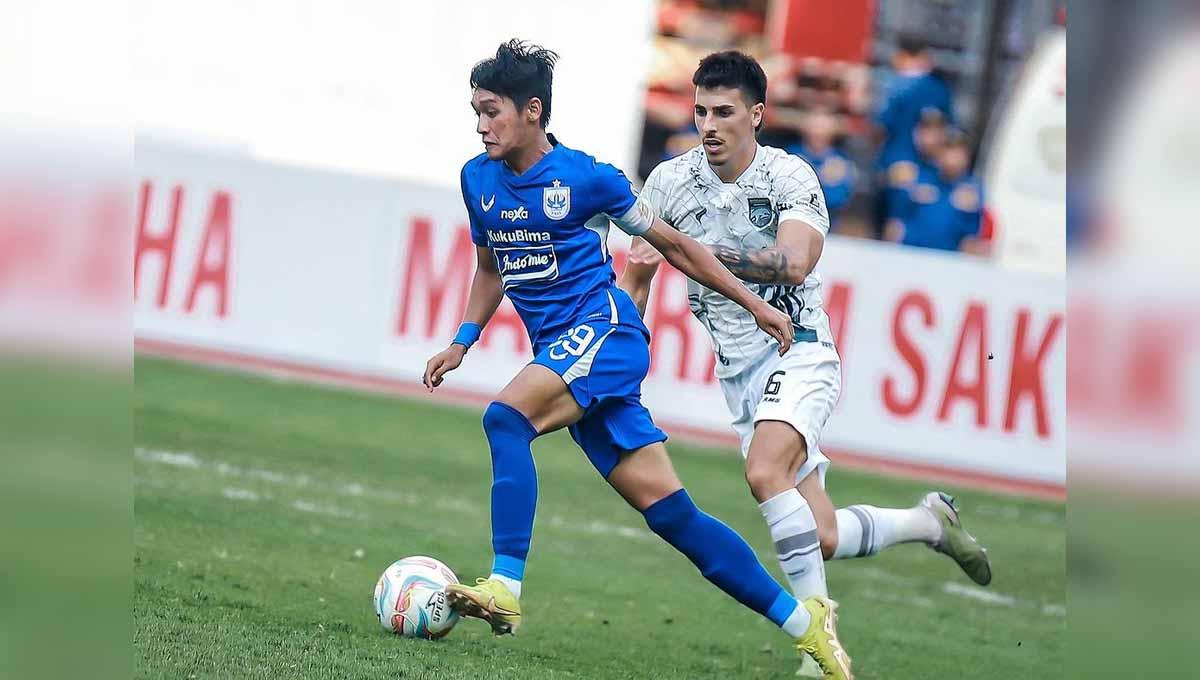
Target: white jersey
x,y
687,194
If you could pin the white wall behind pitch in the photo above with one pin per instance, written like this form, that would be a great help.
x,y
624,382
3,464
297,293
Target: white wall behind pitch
x,y
379,86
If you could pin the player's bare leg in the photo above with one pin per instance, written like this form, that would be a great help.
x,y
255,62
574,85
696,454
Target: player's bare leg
x,y
777,452
645,476
776,455
542,397
823,512
536,401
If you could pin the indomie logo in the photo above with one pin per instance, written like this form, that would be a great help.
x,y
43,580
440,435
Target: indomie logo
x,y
522,264
518,213
510,263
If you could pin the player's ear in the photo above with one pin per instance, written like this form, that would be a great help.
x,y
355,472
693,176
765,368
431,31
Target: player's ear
x,y
533,110
756,114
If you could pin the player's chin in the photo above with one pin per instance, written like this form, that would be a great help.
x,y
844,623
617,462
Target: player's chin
x,y
716,153
493,151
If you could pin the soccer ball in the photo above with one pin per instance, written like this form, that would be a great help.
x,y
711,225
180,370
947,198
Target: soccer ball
x,y
410,599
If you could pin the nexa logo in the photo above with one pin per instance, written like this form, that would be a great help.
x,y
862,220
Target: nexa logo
x,y
519,213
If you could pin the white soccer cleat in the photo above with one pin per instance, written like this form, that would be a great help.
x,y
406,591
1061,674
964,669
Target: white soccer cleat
x,y
955,542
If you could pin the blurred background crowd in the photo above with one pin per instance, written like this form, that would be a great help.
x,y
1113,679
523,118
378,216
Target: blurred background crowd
x,y
893,102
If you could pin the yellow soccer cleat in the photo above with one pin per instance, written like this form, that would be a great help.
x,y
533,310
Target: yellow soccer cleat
x,y
821,642
489,600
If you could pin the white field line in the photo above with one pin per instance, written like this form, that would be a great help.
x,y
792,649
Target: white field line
x,y
603,529
240,494
1001,600
167,457
897,598
978,594
357,490
1013,513
323,509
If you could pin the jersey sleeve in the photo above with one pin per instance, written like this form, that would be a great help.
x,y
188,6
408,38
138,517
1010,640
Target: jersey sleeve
x,y
799,196
656,193
616,199
478,235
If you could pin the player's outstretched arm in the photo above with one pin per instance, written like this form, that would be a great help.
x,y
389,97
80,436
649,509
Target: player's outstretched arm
x,y
486,293
797,249
700,265
639,272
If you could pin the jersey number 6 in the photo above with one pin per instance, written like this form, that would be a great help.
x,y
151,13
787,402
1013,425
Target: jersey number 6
x,y
773,384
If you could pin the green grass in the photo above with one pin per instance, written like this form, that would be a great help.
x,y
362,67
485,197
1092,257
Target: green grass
x,y
265,511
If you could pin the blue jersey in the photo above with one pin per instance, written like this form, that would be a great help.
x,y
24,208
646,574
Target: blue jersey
x,y
835,171
907,97
902,176
943,213
548,231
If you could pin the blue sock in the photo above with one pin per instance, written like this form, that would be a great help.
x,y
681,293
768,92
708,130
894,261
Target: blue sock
x,y
720,554
514,487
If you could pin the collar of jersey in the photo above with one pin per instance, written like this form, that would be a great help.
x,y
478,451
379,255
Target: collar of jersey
x,y
712,174
533,169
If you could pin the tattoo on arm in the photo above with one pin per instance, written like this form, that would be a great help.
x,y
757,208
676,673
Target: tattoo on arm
x,y
767,265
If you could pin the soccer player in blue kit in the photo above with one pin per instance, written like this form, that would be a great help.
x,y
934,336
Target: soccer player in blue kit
x,y
539,215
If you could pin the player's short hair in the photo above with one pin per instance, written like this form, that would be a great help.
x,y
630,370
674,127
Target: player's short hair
x,y
911,42
519,71
957,137
733,69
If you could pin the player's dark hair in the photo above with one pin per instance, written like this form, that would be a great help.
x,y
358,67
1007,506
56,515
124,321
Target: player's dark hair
x,y
520,72
957,137
911,42
733,69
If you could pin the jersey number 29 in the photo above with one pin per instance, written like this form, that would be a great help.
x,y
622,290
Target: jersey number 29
x,y
573,342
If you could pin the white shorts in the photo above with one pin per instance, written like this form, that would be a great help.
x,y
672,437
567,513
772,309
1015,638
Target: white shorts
x,y
800,388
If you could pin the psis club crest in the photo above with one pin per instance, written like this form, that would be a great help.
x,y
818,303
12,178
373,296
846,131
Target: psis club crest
x,y
760,212
556,201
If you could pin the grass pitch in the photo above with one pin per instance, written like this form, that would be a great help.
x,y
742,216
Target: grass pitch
x,y
265,511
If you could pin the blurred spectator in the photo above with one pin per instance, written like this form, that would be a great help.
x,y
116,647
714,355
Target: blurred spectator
x,y
913,89
944,213
681,141
921,167
819,132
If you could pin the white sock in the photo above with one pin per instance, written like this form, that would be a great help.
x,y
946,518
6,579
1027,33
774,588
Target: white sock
x,y
794,531
509,582
797,624
865,529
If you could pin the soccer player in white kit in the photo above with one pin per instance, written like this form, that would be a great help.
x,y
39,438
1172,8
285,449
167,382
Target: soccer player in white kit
x,y
762,213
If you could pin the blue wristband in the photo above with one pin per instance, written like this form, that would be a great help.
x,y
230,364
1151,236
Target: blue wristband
x,y
467,334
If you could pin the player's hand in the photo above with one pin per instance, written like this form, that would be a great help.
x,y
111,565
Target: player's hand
x,y
776,324
442,363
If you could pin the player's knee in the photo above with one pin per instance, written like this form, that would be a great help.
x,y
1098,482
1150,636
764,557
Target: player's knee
x,y
500,419
767,477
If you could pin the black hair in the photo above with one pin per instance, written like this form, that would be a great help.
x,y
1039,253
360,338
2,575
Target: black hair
x,y
520,72
911,42
733,69
958,137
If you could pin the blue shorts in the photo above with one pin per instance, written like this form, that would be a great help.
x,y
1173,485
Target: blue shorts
x,y
603,365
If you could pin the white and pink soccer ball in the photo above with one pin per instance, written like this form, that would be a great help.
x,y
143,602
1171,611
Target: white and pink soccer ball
x,y
410,598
